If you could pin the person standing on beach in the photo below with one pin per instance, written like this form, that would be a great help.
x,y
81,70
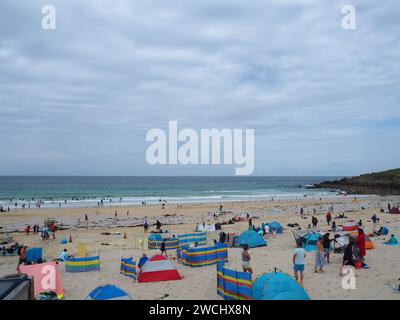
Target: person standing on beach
x,y
328,218
246,260
326,244
158,225
299,255
116,215
360,242
319,257
163,249
145,226
22,256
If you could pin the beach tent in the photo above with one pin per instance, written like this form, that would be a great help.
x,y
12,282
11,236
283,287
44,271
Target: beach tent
x,y
309,241
350,225
276,226
205,228
128,267
368,242
46,277
278,286
108,292
155,237
34,255
82,264
251,238
394,210
158,268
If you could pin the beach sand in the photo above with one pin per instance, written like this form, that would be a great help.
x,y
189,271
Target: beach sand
x,y
200,283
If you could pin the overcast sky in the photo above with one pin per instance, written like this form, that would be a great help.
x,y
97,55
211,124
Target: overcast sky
x,y
80,99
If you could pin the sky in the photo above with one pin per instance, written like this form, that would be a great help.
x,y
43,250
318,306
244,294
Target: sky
x,y
79,100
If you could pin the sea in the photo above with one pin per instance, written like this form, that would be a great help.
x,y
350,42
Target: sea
x,y
52,192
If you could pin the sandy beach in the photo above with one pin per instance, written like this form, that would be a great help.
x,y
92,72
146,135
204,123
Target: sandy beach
x,y
200,283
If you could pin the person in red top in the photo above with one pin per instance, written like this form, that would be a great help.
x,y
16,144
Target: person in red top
x,y
328,218
360,241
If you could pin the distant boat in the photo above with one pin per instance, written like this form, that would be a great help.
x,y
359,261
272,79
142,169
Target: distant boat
x,y
309,186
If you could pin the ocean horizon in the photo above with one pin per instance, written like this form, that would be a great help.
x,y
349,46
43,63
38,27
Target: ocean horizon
x,y
92,191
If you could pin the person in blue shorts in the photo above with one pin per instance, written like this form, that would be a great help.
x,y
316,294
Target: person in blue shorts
x,y
298,263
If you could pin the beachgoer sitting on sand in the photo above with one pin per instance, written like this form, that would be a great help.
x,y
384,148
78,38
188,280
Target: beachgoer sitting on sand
x,y
299,255
193,245
64,255
246,260
348,256
393,240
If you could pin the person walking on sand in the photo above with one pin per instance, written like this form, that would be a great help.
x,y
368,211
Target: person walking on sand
x,y
158,225
246,260
22,256
299,255
319,257
328,218
145,225
116,215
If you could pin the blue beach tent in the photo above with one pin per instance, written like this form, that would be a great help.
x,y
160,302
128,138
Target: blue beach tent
x,y
278,286
108,292
155,237
251,238
276,226
309,241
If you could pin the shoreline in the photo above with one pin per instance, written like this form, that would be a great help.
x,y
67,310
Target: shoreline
x,y
200,283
